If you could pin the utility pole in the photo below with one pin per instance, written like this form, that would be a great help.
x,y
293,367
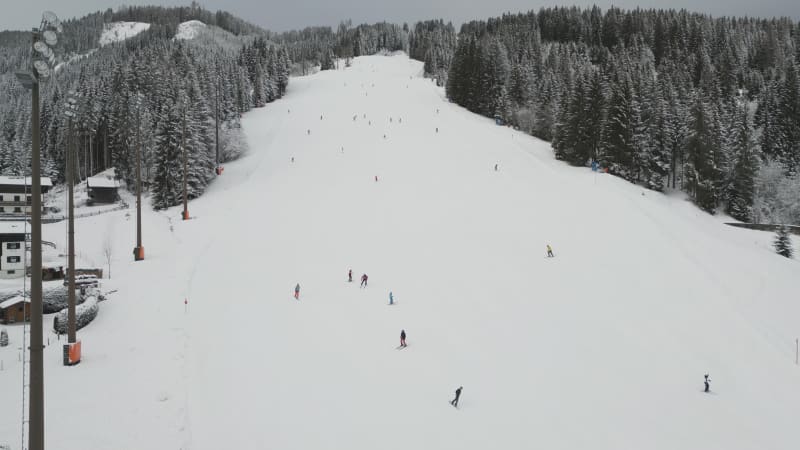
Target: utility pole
x,y
42,39
71,327
216,123
185,167
36,415
138,251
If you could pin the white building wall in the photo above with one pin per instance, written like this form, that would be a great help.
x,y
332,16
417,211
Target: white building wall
x,y
11,203
13,259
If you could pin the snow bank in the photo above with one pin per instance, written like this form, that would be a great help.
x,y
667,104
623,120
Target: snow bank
x,y
119,31
190,29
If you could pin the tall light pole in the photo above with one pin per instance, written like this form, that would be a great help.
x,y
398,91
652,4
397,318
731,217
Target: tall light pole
x,y
71,111
185,167
42,39
138,251
217,169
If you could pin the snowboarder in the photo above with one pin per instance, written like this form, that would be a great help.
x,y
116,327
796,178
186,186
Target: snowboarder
x,y
549,251
454,401
391,298
706,383
364,280
402,338
350,275
297,292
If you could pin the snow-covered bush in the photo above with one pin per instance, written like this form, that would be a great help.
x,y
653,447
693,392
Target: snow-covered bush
x,y
232,142
54,299
84,314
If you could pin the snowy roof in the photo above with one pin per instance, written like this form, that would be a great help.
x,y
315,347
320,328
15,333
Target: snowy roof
x,y
19,181
119,31
13,227
102,182
13,301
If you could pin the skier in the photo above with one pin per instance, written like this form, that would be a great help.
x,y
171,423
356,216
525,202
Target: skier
x,y
364,280
376,178
292,158
350,275
495,167
309,132
391,298
297,292
706,383
320,117
437,129
454,401
402,338
549,251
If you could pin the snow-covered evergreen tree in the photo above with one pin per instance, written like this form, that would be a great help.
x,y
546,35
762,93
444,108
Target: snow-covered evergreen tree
x,y
783,243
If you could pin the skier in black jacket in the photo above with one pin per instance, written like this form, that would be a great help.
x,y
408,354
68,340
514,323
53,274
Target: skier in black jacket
x,y
454,401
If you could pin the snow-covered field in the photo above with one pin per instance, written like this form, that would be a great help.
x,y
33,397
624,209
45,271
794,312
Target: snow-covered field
x,y
119,31
602,347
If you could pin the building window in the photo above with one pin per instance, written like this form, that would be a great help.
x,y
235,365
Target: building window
x,y
17,209
1,198
2,210
12,259
16,198
13,245
11,272
28,199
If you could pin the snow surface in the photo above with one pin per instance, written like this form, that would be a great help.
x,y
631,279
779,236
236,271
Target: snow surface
x,y
602,347
189,30
119,31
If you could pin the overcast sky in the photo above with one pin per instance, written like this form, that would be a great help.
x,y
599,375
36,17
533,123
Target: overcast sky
x,y
292,14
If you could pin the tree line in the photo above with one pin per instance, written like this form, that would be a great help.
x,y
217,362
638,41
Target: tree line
x,y
150,92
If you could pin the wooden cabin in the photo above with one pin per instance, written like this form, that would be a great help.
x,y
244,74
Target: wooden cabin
x,y
15,309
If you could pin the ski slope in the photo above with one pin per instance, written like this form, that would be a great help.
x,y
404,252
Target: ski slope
x,y
120,31
602,347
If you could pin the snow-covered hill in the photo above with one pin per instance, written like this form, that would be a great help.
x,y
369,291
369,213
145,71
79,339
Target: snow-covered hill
x,y
190,29
119,31
602,347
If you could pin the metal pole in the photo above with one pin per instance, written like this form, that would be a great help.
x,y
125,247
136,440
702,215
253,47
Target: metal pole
x,y
138,252
71,328
797,351
185,165
36,413
216,122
